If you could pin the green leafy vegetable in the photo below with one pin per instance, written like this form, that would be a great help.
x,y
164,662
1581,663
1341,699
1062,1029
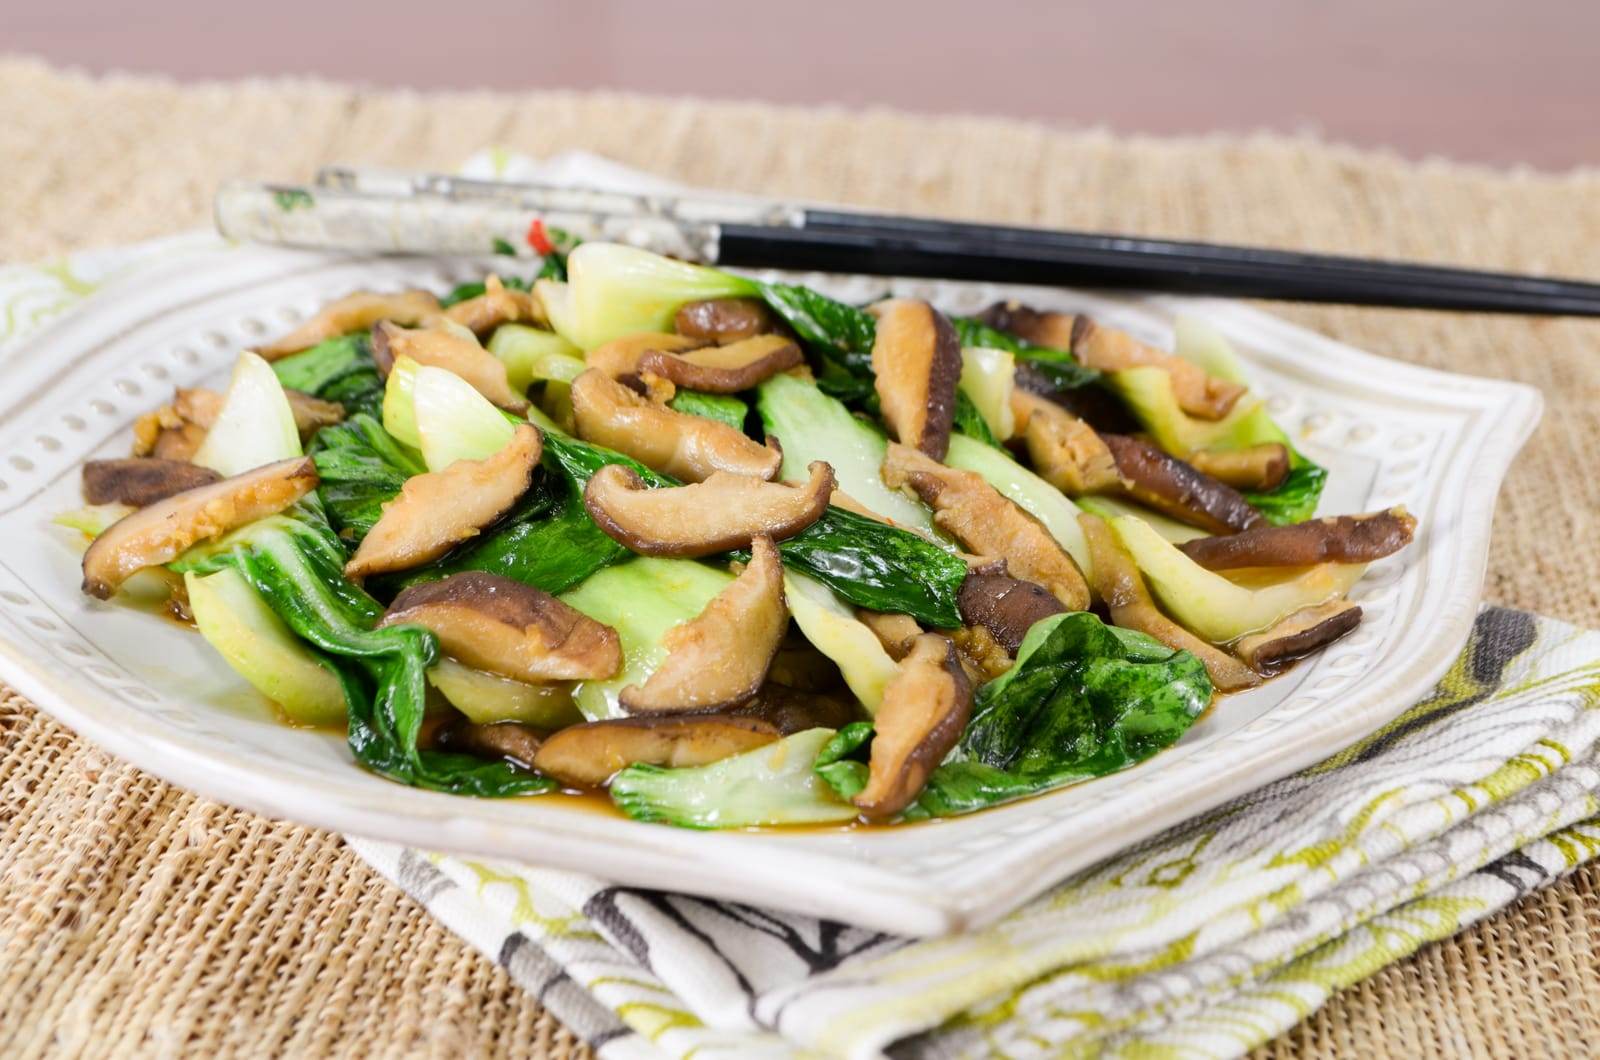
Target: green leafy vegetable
x,y
1295,499
467,291
236,621
988,377
533,354
640,599
970,422
292,199
1028,491
362,467
724,408
502,246
1063,370
614,290
254,426
880,567
839,338
339,370
295,564
1148,393
1082,700
813,425
770,785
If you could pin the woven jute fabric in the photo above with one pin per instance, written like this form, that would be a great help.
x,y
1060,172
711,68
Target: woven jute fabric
x,y
135,918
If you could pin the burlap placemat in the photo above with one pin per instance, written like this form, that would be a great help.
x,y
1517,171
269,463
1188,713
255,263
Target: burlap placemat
x,y
137,919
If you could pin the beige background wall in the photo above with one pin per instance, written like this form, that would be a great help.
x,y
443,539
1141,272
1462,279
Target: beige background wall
x,y
1500,81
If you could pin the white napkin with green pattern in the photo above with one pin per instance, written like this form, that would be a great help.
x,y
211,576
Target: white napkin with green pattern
x,y
1204,941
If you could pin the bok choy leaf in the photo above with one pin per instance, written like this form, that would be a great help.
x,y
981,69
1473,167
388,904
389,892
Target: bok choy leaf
x,y
1082,700
339,370
295,564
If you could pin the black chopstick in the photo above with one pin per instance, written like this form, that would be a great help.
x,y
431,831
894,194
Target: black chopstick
x,y
839,242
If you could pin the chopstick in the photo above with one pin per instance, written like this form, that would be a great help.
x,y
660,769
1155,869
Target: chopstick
x,y
409,212
887,252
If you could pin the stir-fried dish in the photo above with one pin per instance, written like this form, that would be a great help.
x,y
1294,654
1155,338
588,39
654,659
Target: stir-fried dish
x,y
734,552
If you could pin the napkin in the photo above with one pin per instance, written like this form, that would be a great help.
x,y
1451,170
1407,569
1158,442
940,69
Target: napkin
x,y
1204,941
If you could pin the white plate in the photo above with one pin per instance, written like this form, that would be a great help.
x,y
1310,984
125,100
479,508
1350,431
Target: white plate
x,y
153,693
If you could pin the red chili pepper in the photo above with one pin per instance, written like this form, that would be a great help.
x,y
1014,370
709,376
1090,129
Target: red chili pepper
x,y
538,240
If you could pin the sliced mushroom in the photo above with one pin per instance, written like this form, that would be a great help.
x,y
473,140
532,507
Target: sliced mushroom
x,y
792,710
163,531
925,706
800,666
723,320
179,443
916,358
508,628
982,656
1005,606
721,514
725,369
985,522
719,658
1095,405
350,314
200,406
497,740
1110,350
687,447
1170,485
141,480
438,510
1333,539
589,755
619,358
497,305
1257,467
895,632
1301,634
1118,582
1067,452
446,349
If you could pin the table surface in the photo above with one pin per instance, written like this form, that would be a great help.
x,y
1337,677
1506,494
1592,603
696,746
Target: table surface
x,y
135,918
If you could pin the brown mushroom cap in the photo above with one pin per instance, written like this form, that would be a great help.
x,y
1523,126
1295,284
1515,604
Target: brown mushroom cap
x,y
1110,350
163,531
589,755
350,314
496,740
1095,405
1171,486
1332,539
895,632
723,320
719,658
450,351
925,706
508,628
718,515
1005,606
686,447
725,369
916,358
438,510
1065,451
1118,582
619,358
495,306
200,406
1299,635
141,480
1256,467
985,522
792,710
